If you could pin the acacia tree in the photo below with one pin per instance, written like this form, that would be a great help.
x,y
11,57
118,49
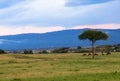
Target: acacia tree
x,y
93,36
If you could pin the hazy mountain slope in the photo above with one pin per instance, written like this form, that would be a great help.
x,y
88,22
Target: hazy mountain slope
x,y
53,40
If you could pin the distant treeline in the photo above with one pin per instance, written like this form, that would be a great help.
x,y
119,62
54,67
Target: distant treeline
x,y
78,49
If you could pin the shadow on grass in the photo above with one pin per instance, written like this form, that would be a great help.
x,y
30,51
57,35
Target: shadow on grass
x,y
29,57
90,58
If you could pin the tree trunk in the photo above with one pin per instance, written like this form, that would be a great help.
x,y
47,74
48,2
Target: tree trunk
x,y
93,50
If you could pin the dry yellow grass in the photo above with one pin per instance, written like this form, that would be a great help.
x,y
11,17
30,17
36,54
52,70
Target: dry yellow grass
x,y
55,65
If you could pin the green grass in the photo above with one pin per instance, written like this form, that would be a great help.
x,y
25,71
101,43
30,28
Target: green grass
x,y
59,67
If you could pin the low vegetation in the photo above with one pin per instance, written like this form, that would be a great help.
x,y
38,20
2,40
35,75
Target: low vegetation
x,y
59,67
2,51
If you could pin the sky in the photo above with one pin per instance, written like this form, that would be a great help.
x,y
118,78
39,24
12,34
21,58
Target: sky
x,y
41,16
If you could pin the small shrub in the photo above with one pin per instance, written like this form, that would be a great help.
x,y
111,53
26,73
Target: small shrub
x,y
81,51
1,73
44,51
61,50
2,51
11,61
28,52
79,47
16,79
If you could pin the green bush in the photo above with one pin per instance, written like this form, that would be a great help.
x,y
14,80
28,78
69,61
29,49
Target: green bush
x,y
44,52
2,51
61,50
28,52
79,47
82,51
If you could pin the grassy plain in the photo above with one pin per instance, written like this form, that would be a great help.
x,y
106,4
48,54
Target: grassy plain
x,y
59,67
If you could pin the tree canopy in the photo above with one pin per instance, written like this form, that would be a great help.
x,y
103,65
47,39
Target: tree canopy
x,y
93,36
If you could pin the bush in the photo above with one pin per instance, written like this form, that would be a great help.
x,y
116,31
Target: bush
x,y
79,47
2,51
44,51
82,51
61,50
28,52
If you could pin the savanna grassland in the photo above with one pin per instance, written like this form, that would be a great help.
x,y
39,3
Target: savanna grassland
x,y
59,67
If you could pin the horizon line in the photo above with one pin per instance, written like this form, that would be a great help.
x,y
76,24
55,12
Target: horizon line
x,y
59,31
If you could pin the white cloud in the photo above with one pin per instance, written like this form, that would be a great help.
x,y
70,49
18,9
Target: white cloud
x,y
42,14
37,10
99,26
7,30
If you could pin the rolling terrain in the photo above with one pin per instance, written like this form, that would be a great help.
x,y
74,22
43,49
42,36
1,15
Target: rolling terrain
x,y
65,38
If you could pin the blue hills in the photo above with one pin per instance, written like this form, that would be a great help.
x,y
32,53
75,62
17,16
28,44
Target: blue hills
x,y
65,38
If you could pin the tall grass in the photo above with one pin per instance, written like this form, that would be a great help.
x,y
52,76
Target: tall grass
x,y
59,67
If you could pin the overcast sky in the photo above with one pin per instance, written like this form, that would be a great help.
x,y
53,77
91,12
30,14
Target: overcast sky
x,y
40,16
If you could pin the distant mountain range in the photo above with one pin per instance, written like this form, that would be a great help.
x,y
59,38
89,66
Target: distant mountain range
x,y
65,38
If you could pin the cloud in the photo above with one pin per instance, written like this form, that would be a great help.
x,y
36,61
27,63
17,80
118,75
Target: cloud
x,y
73,3
8,3
54,13
6,30
99,26
40,12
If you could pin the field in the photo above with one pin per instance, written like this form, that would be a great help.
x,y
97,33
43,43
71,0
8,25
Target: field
x,y
59,67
